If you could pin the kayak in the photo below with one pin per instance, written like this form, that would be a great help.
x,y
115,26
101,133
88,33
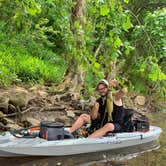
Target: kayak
x,y
13,146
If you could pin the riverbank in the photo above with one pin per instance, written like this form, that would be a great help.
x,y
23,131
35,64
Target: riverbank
x,y
24,105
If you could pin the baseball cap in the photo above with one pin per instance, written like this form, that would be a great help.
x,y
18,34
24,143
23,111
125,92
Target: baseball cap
x,y
103,81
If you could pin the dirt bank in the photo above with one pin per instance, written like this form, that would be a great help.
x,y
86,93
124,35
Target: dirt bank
x,y
24,106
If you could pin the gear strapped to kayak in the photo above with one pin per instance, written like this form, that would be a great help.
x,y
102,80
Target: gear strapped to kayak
x,y
47,130
51,130
135,121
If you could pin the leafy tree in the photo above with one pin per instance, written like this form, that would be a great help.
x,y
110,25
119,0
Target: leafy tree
x,y
148,60
96,38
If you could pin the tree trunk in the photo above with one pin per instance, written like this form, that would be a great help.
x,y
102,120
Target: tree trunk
x,y
74,76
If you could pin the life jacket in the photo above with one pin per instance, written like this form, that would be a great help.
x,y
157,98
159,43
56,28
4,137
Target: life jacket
x,y
135,121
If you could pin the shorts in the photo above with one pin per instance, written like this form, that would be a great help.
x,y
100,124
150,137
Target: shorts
x,y
117,128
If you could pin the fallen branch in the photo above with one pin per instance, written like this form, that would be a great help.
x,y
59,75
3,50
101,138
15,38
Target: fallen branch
x,y
20,112
2,126
52,109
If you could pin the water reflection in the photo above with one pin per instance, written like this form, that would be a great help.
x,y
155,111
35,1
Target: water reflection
x,y
111,158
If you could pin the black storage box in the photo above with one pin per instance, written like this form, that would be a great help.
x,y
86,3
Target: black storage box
x,y
51,130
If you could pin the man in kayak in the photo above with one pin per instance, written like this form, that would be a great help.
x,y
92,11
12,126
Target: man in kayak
x,y
107,113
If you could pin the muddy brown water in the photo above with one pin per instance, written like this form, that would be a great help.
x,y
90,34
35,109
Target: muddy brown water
x,y
151,154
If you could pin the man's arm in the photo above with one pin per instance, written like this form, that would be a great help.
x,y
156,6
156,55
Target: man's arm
x,y
94,111
119,93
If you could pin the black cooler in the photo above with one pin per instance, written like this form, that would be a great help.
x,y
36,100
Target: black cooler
x,y
51,130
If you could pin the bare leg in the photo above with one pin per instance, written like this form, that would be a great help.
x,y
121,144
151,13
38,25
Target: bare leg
x,y
82,119
102,131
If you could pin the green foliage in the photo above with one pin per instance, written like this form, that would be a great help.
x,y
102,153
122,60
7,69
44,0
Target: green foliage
x,y
108,24
153,33
126,1
147,65
25,35
19,64
7,70
38,36
31,68
145,74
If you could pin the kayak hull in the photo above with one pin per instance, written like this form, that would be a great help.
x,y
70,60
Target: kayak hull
x,y
12,146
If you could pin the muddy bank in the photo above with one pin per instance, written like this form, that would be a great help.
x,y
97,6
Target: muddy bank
x,y
23,106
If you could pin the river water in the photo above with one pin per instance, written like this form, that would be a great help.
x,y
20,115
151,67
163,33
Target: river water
x,y
151,154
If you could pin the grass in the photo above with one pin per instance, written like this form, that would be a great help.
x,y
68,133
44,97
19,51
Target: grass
x,y
18,63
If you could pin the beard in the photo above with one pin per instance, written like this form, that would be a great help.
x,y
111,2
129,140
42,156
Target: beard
x,y
103,95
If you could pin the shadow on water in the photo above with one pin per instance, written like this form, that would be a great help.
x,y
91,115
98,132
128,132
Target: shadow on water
x,y
112,158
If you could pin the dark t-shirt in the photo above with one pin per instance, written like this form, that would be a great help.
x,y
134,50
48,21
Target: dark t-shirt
x,y
117,114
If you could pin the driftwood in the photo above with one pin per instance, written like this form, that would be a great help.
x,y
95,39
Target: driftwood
x,y
50,106
2,126
52,109
21,112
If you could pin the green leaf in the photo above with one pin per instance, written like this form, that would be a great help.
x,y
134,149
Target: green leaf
x,y
143,67
32,7
127,24
139,86
156,74
96,65
126,1
104,10
114,55
117,42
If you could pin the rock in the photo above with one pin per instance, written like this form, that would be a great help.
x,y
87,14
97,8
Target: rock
x,y
4,100
7,120
33,88
13,126
92,100
36,101
3,127
19,98
1,114
12,108
65,97
42,94
7,123
75,96
32,121
124,91
140,100
67,121
59,120
78,112
71,114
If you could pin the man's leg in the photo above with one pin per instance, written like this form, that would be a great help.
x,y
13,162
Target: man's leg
x,y
102,131
82,119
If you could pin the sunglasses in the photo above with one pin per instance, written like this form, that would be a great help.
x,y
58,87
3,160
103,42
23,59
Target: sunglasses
x,y
101,89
